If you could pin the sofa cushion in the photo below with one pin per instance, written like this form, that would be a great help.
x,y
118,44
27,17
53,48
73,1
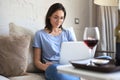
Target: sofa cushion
x,y
19,30
29,76
3,78
13,55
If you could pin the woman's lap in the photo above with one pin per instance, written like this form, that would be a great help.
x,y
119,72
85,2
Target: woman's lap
x,y
52,74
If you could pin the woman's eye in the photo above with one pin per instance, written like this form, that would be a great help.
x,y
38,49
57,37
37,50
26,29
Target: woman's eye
x,y
55,17
62,18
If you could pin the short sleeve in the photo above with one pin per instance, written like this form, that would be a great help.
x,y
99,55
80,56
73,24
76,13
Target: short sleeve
x,y
37,40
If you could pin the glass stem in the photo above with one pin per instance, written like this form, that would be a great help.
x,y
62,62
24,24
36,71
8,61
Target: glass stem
x,y
90,51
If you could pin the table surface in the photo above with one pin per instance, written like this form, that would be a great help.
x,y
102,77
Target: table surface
x,y
87,74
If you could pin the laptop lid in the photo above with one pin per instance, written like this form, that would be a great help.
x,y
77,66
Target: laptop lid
x,y
74,51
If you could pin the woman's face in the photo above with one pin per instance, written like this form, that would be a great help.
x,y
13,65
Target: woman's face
x,y
57,18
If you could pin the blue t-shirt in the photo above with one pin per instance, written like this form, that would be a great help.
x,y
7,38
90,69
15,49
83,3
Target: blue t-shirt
x,y
51,45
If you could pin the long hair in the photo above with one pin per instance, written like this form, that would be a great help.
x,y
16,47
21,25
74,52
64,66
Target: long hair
x,y
51,10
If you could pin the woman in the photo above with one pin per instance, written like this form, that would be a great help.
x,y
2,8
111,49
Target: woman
x,y
47,43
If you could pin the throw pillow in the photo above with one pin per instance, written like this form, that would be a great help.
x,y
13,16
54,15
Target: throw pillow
x,y
13,55
20,30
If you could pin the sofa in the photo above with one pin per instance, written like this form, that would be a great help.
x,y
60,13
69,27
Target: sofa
x,y
16,55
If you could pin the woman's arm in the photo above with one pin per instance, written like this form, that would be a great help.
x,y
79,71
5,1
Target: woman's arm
x,y
37,60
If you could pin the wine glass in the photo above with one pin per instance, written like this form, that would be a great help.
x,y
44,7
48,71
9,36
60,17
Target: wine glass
x,y
91,37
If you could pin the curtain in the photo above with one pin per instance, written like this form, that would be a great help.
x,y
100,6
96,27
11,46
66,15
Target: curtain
x,y
107,20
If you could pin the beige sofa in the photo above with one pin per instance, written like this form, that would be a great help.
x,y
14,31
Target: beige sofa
x,y
16,55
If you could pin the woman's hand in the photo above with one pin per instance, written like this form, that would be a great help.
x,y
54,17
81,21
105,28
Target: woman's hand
x,y
46,65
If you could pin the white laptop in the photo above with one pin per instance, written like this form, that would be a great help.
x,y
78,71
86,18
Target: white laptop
x,y
74,51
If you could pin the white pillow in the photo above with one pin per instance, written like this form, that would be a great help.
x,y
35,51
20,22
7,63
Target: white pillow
x,y
3,78
72,31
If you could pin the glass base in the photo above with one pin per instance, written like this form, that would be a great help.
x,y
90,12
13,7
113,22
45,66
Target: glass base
x,y
90,63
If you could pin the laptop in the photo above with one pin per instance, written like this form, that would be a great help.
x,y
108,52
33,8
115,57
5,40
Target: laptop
x,y
74,51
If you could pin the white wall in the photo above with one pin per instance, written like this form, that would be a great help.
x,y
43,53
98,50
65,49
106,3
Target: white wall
x,y
31,13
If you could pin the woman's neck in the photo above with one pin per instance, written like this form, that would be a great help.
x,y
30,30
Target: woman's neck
x,y
56,31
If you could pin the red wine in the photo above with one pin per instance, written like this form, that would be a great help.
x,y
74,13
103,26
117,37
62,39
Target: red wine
x,y
91,43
